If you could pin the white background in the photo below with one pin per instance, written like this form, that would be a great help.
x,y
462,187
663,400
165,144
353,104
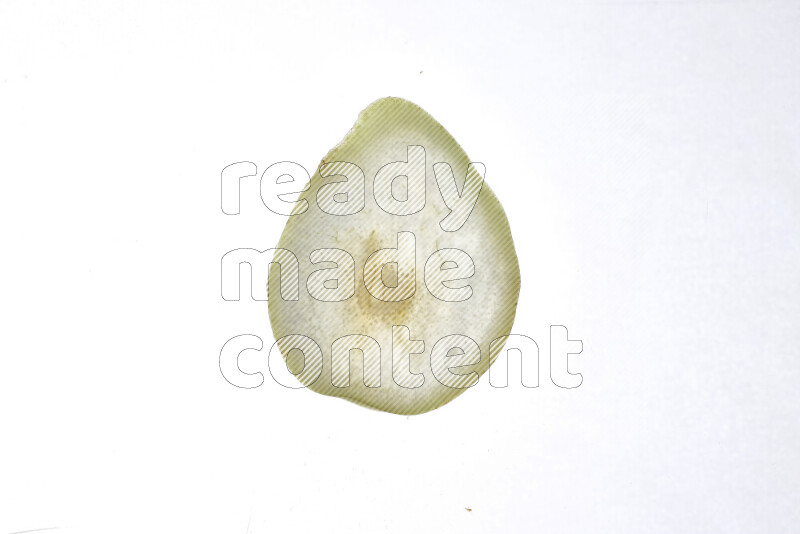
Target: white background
x,y
646,154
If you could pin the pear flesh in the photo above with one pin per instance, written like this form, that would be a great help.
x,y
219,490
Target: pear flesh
x,y
403,295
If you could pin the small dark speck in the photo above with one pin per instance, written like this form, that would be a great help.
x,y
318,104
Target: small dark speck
x,y
468,509
420,72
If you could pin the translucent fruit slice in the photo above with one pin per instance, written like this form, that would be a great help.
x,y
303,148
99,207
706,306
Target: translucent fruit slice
x,y
404,312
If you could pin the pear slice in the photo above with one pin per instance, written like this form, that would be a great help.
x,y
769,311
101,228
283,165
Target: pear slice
x,y
401,312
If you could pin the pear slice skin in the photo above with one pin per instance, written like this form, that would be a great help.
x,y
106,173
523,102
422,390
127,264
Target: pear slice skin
x,y
382,135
